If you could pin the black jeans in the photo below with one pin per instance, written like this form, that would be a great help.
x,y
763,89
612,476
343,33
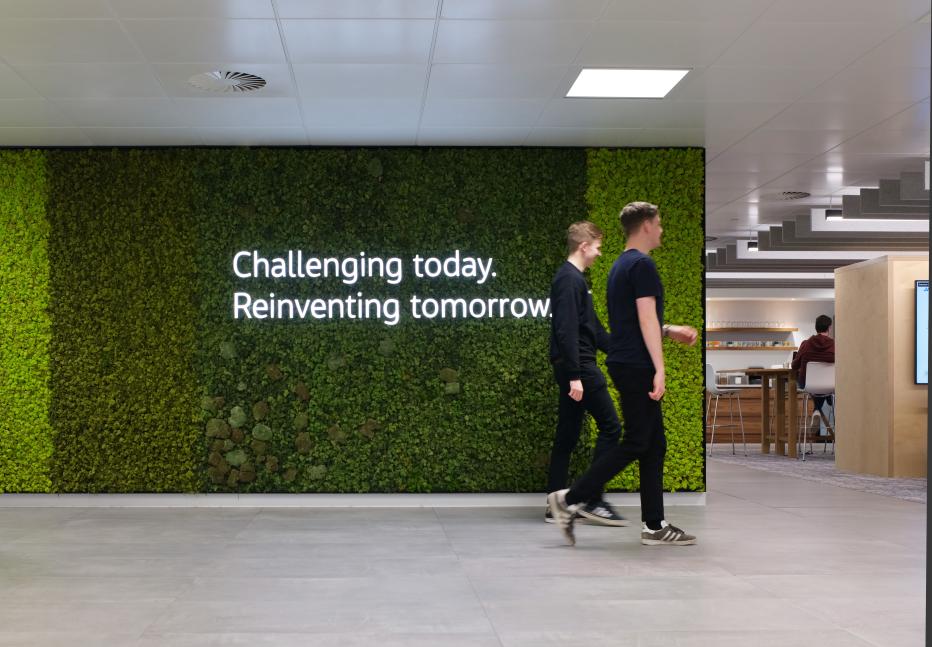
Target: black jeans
x,y
818,401
598,402
643,441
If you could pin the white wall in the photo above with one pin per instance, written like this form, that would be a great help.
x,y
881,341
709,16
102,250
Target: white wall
x,y
799,314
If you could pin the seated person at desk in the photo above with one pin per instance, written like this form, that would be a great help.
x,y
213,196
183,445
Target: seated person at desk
x,y
818,348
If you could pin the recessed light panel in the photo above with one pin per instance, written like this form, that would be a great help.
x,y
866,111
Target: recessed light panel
x,y
625,84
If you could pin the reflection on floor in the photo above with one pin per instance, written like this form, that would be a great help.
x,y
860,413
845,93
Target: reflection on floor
x,y
781,562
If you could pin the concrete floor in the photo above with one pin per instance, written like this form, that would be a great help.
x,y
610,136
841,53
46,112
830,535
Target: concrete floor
x,y
781,562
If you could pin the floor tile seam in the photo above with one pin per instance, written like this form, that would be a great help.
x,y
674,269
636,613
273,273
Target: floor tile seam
x,y
472,586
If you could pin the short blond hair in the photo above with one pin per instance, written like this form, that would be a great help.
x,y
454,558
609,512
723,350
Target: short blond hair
x,y
581,232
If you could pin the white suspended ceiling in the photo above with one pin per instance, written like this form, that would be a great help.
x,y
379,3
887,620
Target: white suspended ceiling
x,y
821,96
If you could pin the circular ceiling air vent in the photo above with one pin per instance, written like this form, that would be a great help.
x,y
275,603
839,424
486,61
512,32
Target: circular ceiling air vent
x,y
787,195
227,81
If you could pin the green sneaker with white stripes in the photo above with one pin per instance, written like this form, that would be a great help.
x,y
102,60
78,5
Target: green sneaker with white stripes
x,y
668,535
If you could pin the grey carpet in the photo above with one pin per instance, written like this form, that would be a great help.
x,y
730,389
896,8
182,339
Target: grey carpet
x,y
820,467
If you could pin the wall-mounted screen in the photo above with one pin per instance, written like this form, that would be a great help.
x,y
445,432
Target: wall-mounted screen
x,y
922,332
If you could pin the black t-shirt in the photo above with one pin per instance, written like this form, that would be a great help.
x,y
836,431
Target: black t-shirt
x,y
634,275
575,329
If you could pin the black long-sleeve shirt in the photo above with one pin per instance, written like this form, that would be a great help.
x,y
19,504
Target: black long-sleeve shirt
x,y
575,330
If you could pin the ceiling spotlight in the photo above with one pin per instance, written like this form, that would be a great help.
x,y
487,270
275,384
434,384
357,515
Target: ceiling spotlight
x,y
625,84
226,81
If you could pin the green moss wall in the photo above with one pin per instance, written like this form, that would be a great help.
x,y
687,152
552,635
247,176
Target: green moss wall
x,y
132,375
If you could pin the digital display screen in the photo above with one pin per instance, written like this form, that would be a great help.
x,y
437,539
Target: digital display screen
x,y
922,332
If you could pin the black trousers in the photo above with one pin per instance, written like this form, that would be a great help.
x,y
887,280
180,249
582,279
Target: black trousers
x,y
644,441
598,402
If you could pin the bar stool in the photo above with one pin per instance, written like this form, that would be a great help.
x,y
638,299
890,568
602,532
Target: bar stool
x,y
731,395
820,381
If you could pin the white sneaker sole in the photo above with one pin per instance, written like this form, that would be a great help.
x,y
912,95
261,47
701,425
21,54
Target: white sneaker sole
x,y
660,542
595,520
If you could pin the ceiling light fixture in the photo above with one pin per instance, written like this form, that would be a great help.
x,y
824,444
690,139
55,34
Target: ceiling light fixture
x,y
624,84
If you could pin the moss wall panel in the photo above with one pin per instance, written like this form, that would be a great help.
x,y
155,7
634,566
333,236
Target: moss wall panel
x,y
25,329
122,247
674,180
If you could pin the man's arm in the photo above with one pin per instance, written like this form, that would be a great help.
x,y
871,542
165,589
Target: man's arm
x,y
650,331
566,331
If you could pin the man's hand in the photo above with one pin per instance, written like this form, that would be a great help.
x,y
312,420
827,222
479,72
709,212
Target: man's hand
x,y
660,386
576,390
683,334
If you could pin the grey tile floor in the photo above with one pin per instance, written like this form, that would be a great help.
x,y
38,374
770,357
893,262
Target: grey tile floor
x,y
781,562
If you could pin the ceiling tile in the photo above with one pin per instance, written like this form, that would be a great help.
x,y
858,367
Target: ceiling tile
x,y
32,112
55,9
864,85
204,41
780,44
253,136
482,112
597,113
88,81
673,137
837,11
888,142
585,137
361,81
909,47
362,136
858,165
174,78
122,113
457,136
20,136
792,141
616,43
358,41
731,180
65,41
711,115
404,9
495,81
351,113
12,85
186,9
142,136
523,9
814,116
767,165
685,10
737,84
514,42
239,111
915,117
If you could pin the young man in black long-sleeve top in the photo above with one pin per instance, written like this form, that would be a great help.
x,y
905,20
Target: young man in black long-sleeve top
x,y
635,363
575,335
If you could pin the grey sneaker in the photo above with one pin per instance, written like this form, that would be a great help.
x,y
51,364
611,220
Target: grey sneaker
x,y
667,536
601,513
563,514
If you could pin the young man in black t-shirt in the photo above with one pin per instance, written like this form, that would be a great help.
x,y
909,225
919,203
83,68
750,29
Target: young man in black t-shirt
x,y
575,334
635,364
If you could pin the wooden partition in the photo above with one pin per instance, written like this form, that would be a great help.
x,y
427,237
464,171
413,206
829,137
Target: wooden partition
x,y
881,413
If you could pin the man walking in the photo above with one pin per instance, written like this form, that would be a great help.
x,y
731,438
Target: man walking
x,y
575,334
635,364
